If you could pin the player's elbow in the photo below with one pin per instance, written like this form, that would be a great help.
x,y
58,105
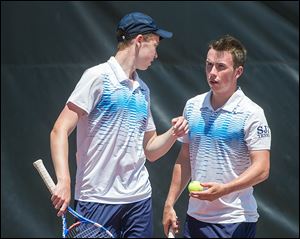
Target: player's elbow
x,y
58,133
266,171
263,167
53,133
265,175
151,157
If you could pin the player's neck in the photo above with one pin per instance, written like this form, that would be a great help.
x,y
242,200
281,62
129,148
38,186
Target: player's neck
x,y
218,100
221,96
126,62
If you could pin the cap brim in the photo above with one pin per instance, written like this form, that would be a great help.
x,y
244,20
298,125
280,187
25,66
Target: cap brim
x,y
163,33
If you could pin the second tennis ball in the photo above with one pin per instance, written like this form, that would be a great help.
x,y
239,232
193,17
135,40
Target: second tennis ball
x,y
195,186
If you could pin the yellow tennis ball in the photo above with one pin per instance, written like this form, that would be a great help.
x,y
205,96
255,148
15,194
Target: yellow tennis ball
x,y
195,186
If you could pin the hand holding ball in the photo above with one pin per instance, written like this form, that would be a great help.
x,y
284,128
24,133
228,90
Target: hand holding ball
x,y
195,186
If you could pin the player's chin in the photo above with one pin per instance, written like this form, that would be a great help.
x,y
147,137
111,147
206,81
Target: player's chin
x,y
146,67
143,68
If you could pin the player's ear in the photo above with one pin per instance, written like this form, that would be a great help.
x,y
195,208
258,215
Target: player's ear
x,y
139,39
239,71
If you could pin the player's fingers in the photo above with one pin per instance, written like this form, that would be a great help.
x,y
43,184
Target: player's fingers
x,y
166,228
62,210
186,129
181,132
53,198
177,121
181,127
55,202
175,225
58,204
174,120
180,120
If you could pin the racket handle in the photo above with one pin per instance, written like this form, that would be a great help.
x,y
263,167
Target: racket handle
x,y
39,165
171,233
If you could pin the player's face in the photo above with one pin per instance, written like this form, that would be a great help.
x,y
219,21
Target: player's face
x,y
221,75
147,52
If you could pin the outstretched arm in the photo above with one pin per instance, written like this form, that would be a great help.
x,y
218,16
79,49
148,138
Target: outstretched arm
x,y
156,146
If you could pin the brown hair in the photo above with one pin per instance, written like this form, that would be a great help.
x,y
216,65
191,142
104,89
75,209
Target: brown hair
x,y
127,42
234,46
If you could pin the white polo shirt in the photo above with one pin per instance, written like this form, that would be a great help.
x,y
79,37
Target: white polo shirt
x,y
219,142
110,156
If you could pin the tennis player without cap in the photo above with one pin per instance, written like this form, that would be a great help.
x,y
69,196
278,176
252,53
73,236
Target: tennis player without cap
x,y
227,149
110,106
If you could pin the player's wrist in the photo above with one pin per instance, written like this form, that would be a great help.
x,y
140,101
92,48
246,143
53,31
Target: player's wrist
x,y
168,205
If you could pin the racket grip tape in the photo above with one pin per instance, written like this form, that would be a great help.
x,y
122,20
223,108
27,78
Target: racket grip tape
x,y
39,165
171,233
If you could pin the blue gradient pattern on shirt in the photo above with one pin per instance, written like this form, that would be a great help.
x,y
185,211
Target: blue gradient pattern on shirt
x,y
217,148
123,110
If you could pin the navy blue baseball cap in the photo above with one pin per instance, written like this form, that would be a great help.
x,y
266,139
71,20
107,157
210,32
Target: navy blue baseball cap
x,y
136,23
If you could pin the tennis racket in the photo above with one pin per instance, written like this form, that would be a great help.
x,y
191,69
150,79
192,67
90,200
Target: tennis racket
x,y
171,233
83,227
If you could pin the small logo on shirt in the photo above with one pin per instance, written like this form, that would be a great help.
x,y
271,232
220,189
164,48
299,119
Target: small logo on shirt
x,y
263,131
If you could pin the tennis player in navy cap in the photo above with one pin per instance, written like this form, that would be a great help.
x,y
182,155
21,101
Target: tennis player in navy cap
x,y
110,106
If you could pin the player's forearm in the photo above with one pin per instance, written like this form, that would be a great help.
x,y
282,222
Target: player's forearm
x,y
180,178
179,182
159,145
174,193
255,174
59,153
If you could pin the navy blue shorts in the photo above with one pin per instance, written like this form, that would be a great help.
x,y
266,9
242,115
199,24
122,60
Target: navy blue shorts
x,y
197,229
132,220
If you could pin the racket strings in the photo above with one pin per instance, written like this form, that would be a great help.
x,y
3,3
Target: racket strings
x,y
87,230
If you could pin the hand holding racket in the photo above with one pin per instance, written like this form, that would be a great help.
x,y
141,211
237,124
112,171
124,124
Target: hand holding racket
x,y
171,233
83,228
172,230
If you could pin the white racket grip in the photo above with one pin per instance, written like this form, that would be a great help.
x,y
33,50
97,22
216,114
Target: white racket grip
x,y
171,233
39,165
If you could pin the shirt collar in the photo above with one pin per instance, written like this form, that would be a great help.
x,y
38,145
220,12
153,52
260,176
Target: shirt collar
x,y
120,74
232,103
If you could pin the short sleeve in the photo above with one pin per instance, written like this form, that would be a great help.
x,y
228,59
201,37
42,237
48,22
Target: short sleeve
x,y
150,123
257,131
88,90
